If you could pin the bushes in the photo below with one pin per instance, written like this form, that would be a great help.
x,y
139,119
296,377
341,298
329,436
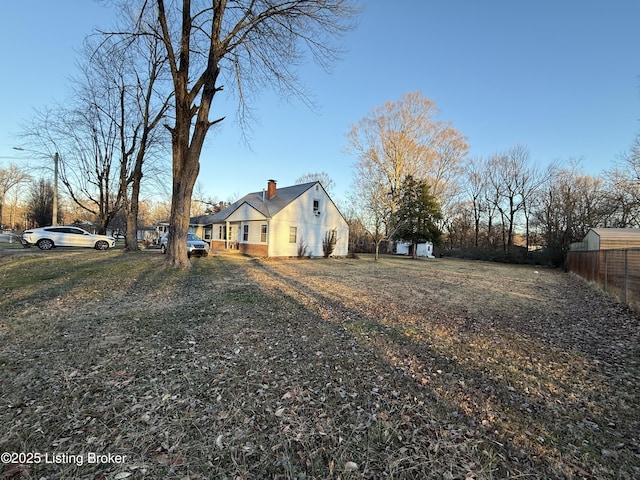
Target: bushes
x,y
329,243
302,248
517,255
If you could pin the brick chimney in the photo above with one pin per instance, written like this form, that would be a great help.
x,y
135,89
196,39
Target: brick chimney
x,y
271,189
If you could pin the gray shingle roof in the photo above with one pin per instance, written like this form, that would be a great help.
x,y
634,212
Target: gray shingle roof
x,y
258,200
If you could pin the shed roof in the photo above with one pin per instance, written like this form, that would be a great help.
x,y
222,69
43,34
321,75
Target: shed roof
x,y
621,233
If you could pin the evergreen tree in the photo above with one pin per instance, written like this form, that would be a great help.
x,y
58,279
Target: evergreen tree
x,y
417,215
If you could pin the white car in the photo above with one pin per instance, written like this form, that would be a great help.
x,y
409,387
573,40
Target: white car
x,y
47,238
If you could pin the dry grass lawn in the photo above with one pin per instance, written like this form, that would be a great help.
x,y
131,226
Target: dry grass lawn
x,y
311,369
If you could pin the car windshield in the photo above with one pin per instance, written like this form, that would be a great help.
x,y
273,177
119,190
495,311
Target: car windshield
x,y
192,237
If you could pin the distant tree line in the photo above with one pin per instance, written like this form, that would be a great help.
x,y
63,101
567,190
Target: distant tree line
x,y
504,207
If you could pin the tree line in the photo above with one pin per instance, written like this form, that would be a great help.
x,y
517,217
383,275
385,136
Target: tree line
x,y
414,181
506,205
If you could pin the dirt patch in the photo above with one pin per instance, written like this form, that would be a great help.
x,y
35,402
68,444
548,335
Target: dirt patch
x,y
313,369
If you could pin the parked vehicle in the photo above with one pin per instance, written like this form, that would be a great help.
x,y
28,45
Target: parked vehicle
x,y
47,238
195,245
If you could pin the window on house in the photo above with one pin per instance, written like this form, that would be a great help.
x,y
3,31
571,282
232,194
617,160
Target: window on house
x,y
293,234
245,233
263,233
222,234
316,206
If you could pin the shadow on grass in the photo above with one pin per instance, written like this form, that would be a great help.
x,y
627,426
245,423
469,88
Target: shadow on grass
x,y
538,408
250,369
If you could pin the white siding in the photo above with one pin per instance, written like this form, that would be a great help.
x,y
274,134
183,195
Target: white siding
x,y
424,249
311,226
245,212
255,229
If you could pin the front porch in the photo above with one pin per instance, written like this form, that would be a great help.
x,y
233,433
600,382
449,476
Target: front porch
x,y
254,250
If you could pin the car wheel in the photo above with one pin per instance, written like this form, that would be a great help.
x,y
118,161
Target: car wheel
x,y
45,244
102,245
163,248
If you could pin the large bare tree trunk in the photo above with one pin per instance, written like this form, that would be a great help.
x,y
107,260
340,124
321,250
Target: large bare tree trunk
x,y
183,183
263,45
187,144
132,210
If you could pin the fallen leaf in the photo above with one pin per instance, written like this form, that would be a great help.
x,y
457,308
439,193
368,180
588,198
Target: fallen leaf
x,y
162,459
14,471
351,466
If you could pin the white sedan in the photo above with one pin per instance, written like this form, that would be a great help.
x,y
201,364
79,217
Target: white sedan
x,y
47,238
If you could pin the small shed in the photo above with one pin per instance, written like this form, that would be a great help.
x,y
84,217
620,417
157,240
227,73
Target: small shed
x,y
610,239
423,249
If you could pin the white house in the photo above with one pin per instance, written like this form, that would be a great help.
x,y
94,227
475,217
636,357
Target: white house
x,y
276,222
423,249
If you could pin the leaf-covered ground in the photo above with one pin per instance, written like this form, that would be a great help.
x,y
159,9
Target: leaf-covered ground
x,y
313,369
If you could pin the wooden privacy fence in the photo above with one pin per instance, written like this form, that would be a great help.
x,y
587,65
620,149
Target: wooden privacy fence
x,y
617,272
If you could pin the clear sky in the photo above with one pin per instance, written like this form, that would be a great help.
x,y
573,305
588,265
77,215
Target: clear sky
x,y
559,76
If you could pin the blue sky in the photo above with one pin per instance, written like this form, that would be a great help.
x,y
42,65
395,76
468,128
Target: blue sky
x,y
561,77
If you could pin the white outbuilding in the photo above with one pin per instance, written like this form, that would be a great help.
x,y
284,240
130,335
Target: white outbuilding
x,y
423,249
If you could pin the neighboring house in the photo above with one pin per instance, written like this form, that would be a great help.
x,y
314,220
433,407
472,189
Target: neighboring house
x,y
145,234
406,248
608,239
276,222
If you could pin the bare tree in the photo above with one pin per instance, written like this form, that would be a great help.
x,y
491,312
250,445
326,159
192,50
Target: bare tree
x,y
405,138
631,159
87,141
511,181
532,181
460,226
40,204
506,178
475,184
492,197
621,199
374,203
622,196
250,43
327,182
107,132
133,71
10,177
397,140
567,207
